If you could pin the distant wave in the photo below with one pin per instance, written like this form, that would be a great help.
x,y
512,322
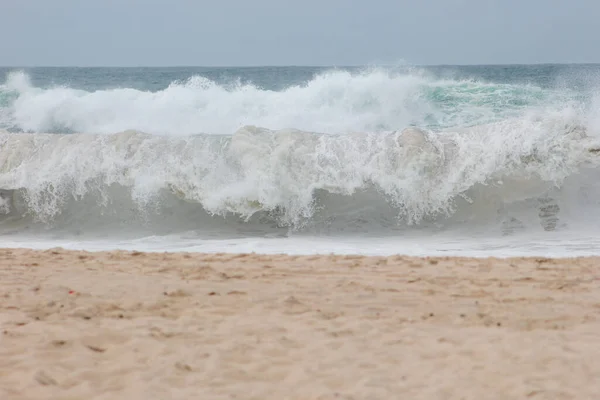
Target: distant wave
x,y
333,102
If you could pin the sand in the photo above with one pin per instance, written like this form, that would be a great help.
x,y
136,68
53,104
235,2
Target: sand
x,y
122,325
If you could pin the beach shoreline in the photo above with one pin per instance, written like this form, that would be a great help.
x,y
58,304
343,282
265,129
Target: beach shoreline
x,y
134,325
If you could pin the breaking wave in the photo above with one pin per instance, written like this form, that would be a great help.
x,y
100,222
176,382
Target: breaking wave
x,y
194,155
293,178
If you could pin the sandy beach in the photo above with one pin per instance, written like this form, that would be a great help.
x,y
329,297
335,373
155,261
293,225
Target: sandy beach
x,y
123,325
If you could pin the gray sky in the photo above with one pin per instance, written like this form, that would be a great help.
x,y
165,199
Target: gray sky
x,y
298,32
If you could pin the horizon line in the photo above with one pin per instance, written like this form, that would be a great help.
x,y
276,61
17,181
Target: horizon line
x,y
304,65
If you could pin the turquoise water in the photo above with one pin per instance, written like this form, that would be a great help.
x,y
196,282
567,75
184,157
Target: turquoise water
x,y
216,158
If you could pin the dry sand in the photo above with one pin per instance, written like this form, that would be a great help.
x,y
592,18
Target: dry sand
x,y
120,325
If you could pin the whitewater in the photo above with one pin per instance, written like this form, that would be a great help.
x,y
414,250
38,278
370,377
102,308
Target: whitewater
x,y
495,161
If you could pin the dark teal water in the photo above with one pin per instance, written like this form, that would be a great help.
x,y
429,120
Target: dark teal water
x,y
576,76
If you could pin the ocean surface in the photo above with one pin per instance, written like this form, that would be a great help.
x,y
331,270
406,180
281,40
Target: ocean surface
x,y
446,160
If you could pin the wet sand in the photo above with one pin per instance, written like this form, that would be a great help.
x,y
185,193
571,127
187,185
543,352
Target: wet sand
x,y
122,325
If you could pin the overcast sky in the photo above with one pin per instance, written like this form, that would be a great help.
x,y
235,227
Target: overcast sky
x,y
297,32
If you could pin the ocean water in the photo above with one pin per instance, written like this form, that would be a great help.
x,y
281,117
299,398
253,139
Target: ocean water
x,y
477,160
